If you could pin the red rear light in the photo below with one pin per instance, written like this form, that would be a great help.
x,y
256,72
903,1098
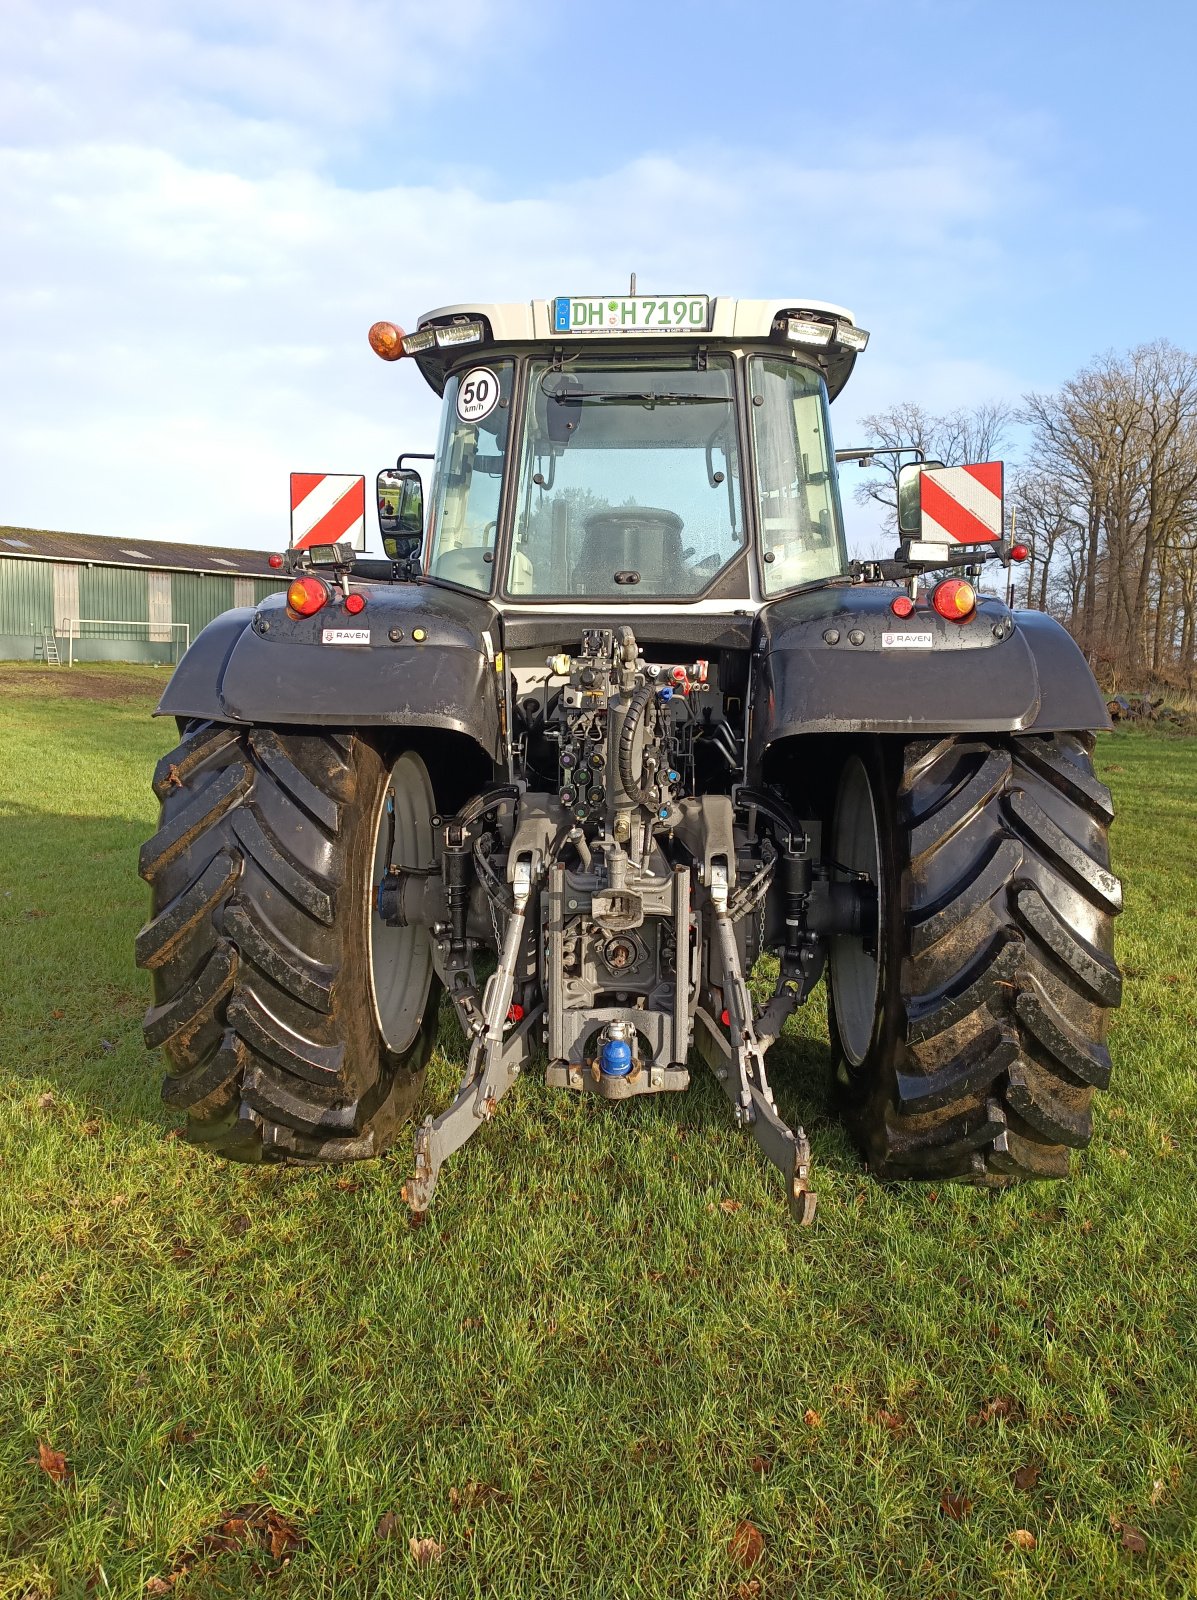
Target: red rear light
x,y
1019,552
725,1018
274,561
355,603
902,605
306,596
955,599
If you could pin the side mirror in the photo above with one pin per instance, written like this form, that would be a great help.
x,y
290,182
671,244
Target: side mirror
x,y
400,512
910,516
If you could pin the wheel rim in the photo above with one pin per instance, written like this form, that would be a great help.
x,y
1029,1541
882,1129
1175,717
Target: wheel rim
x,y
855,972
400,958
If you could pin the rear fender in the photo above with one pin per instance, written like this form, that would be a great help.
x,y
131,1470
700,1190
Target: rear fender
x,y
821,664
268,666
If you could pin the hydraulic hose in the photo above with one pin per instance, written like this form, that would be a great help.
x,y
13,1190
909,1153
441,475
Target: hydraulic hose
x,y
627,744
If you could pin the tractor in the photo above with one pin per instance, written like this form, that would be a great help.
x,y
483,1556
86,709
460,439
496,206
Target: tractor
x,y
616,724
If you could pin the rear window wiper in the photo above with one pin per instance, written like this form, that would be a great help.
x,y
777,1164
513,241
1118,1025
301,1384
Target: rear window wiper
x,y
646,397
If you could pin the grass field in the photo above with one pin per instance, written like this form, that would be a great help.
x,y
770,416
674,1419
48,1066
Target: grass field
x,y
609,1365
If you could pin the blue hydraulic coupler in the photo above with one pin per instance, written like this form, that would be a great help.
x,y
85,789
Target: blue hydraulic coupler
x,y
615,1058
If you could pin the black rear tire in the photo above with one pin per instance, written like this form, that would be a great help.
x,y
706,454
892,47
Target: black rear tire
x,y
995,960
259,942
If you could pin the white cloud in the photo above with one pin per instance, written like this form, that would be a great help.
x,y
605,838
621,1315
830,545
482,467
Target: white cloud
x,y
186,285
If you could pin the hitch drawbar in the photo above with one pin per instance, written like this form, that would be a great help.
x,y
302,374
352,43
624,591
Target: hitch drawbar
x,y
625,910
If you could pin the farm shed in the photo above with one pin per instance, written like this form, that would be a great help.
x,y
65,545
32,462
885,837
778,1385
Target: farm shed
x,y
83,597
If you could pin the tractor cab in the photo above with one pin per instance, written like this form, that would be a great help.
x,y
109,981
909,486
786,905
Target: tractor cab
x,y
632,449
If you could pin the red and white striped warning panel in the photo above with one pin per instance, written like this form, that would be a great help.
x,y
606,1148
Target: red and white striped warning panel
x,y
327,507
961,505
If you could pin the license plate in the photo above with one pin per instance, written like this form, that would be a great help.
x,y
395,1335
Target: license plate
x,y
632,313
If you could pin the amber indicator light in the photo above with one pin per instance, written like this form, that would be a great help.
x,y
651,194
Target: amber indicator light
x,y
386,340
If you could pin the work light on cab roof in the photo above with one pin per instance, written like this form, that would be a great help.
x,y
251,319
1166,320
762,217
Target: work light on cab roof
x,y
615,726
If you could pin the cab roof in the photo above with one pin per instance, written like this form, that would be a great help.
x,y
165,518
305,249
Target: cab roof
x,y
731,322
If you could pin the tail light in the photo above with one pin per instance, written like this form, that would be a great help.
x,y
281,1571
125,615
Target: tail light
x,y
306,596
1019,552
955,599
354,603
901,605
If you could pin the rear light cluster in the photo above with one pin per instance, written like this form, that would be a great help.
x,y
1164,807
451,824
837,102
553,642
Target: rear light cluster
x,y
307,595
954,599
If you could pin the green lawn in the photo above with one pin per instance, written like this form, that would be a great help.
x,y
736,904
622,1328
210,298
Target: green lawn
x,y
609,1348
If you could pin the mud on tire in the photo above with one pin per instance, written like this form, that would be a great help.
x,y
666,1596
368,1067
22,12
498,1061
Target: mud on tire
x,y
259,946
997,971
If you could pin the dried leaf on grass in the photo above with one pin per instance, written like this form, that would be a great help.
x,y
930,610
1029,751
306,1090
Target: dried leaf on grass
x,y
731,1205
1001,1406
475,1494
425,1551
388,1526
258,1527
47,1101
747,1544
1130,1537
159,1585
954,1503
1023,1539
1026,1477
761,1464
891,1420
52,1462
812,1418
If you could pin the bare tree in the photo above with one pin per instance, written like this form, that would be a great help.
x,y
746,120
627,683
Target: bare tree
x,y
1042,517
974,433
1119,439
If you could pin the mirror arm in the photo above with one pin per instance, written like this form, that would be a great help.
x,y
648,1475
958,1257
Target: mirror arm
x,y
865,453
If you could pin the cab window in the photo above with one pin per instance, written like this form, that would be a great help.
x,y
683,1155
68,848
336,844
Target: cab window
x,y
801,529
468,484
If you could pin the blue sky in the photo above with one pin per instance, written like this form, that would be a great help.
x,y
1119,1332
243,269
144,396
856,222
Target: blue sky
x,y
204,206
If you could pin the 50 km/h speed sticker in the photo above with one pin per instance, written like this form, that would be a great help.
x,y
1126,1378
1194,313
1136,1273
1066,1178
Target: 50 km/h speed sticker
x,y
477,394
